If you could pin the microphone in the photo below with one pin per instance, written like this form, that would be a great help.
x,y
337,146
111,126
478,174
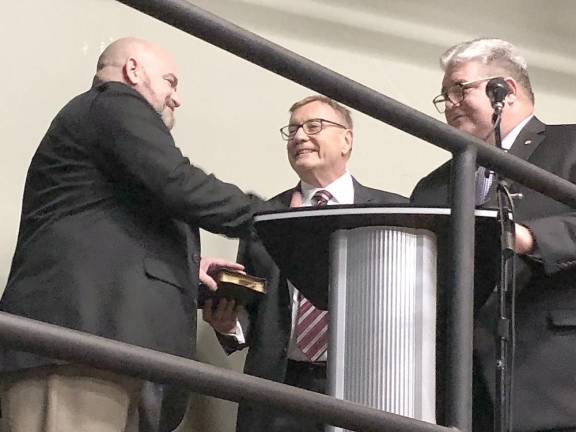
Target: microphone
x,y
496,90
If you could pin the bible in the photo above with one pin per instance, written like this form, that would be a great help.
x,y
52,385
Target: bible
x,y
245,289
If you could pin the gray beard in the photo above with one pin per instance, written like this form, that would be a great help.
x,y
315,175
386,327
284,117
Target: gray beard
x,y
167,118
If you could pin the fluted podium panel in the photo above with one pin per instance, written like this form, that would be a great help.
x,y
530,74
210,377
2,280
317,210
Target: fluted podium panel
x,y
383,319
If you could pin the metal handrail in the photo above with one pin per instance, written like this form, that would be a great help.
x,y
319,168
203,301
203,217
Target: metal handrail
x,y
78,347
258,50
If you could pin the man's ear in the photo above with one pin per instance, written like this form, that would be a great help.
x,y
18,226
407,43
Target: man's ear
x,y
512,95
347,144
132,71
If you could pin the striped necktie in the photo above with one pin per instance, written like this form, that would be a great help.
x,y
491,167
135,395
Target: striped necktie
x,y
311,323
483,184
321,198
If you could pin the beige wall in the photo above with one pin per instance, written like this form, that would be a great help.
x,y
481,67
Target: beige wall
x,y
232,109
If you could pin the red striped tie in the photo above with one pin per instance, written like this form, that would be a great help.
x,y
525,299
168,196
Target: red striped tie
x,y
311,329
312,323
321,198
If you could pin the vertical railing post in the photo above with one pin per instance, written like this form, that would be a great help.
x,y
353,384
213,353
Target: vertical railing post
x,y
460,295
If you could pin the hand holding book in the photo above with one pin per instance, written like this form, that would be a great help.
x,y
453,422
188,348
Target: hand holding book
x,y
223,279
211,266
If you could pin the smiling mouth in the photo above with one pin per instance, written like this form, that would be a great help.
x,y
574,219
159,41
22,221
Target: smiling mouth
x,y
303,152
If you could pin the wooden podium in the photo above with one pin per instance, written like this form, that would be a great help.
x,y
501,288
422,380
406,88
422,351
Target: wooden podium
x,y
375,270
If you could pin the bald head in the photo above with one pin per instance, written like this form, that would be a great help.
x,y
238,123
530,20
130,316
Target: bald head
x,y
117,54
146,68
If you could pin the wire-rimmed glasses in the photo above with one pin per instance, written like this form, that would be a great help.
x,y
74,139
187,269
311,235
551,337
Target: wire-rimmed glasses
x,y
310,127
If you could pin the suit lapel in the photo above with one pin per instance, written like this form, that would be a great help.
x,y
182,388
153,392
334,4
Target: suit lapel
x,y
528,139
286,197
525,144
362,194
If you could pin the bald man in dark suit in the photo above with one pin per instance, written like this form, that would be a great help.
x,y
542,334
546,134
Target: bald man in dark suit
x,y
109,242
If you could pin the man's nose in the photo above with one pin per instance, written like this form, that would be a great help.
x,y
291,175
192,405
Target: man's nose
x,y
448,104
300,135
175,99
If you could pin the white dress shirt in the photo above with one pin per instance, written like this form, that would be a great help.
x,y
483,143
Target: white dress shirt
x,y
483,182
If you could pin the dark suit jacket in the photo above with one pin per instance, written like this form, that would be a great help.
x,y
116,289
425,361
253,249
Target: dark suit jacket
x,y
108,241
544,379
271,318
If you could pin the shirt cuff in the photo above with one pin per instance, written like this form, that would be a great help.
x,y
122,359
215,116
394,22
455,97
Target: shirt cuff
x,y
236,333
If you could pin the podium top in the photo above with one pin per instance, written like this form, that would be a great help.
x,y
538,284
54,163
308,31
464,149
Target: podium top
x,y
299,239
354,216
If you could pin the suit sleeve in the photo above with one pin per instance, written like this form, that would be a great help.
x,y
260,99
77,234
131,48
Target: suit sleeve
x,y
245,257
555,233
555,240
133,138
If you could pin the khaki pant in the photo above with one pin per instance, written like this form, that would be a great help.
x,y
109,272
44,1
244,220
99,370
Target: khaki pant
x,y
69,398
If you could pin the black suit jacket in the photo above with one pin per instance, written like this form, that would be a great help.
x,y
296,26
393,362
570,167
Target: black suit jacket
x,y
271,318
108,241
544,379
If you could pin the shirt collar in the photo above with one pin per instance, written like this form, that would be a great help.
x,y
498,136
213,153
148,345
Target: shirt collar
x,y
509,139
342,190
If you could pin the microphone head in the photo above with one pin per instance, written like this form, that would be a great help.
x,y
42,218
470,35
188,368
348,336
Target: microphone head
x,y
496,90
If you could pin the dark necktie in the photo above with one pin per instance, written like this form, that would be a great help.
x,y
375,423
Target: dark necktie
x,y
312,323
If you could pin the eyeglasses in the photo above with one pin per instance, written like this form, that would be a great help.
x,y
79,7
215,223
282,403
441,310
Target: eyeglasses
x,y
310,127
455,94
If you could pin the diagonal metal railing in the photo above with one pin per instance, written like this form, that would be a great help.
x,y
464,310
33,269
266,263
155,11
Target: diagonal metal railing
x,y
74,346
258,50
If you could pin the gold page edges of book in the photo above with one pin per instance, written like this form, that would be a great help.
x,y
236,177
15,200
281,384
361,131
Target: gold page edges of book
x,y
245,289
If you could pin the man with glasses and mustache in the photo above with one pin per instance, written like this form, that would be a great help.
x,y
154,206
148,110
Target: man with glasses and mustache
x,y
281,345
543,375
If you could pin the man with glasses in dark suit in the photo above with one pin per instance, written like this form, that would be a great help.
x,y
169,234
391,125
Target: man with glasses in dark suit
x,y
545,319
285,334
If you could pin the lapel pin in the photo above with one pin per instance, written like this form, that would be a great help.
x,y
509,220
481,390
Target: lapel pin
x,y
527,142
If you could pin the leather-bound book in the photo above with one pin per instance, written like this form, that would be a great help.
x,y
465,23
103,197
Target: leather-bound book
x,y
245,289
